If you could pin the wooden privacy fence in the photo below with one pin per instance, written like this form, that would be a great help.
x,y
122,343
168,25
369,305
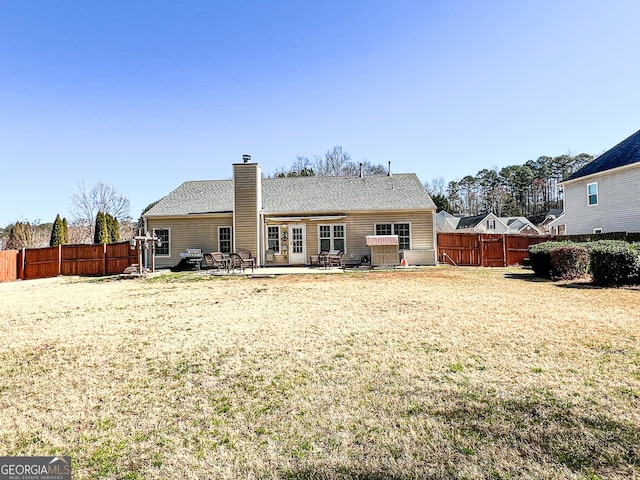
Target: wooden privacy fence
x,y
31,263
485,250
9,265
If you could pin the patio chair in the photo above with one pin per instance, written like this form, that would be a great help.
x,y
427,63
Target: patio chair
x,y
320,260
242,259
334,258
216,261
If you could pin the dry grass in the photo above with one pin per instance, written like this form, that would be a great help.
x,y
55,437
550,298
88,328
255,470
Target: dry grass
x,y
439,373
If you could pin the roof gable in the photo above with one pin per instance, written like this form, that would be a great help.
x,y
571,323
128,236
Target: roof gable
x,y
625,153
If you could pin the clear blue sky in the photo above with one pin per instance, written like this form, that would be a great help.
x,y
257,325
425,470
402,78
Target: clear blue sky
x,y
143,95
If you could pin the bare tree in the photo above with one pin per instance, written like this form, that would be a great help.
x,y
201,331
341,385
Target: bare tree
x,y
87,202
336,162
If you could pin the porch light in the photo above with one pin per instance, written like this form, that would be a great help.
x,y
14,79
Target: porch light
x,y
132,243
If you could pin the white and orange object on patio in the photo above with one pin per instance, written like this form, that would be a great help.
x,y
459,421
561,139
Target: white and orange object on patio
x,y
384,250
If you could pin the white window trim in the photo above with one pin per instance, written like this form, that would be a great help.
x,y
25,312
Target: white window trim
x,y
375,227
331,237
220,227
597,194
393,230
598,230
169,241
279,251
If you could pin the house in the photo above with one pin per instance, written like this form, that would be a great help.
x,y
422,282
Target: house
x,y
603,196
446,222
486,223
550,217
286,221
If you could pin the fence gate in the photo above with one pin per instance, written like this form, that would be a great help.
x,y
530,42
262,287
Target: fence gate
x,y
486,250
493,250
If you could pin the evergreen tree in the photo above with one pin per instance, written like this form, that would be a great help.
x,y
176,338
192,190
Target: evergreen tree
x,y
65,232
101,234
113,228
57,233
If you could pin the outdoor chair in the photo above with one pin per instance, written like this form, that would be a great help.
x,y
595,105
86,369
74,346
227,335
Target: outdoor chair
x,y
242,259
334,258
320,260
216,261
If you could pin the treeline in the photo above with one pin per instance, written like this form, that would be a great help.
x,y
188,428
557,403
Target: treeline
x,y
528,190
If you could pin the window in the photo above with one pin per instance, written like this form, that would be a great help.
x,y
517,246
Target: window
x,y
224,239
273,238
592,194
383,229
331,237
491,224
597,230
402,230
163,235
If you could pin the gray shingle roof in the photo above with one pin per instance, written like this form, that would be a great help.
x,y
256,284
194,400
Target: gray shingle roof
x,y
470,222
205,196
625,153
300,195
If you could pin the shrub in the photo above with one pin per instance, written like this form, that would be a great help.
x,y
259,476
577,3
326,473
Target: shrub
x,y
540,257
569,261
615,263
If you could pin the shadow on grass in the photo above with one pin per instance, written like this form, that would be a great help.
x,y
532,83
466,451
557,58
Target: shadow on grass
x,y
545,427
579,284
342,474
526,277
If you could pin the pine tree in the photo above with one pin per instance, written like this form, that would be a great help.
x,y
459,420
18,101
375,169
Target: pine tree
x,y
65,231
57,232
101,234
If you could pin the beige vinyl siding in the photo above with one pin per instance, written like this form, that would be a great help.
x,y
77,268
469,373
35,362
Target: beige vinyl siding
x,y
247,206
195,232
359,225
618,208
362,224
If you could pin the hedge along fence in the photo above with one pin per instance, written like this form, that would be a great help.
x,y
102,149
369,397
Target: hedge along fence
x,y
569,261
611,262
615,263
105,259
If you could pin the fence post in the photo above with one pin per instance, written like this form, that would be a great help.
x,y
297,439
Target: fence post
x,y
504,249
22,264
59,259
104,259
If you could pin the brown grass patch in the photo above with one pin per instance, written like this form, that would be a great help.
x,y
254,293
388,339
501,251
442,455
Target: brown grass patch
x,y
437,373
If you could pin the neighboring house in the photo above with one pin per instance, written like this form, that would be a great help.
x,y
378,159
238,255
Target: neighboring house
x,y
552,215
487,223
285,221
520,226
604,195
445,222
557,226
